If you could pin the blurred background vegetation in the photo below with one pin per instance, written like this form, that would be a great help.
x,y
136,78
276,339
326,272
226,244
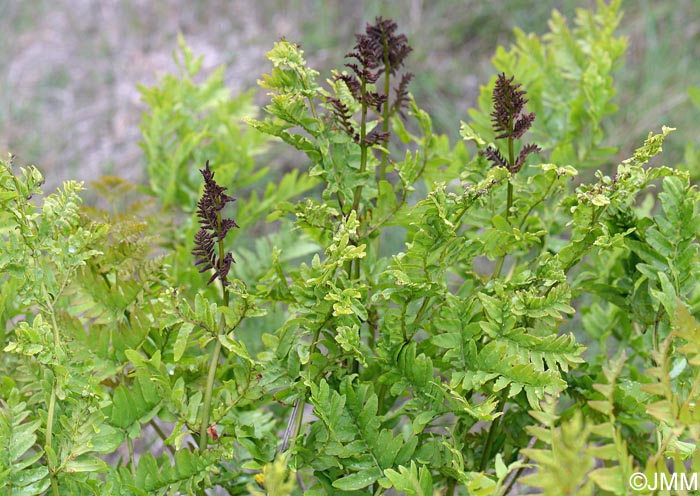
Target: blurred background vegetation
x,y
69,68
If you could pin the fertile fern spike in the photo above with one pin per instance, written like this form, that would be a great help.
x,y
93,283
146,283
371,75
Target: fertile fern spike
x,y
523,124
401,91
381,37
376,137
210,205
371,98
378,51
343,117
204,249
494,155
365,69
508,103
213,229
510,122
394,49
526,150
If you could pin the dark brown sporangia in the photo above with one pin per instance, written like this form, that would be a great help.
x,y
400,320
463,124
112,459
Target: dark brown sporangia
x,y
213,229
510,122
378,51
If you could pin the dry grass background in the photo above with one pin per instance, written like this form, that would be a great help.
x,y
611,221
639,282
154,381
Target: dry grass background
x,y
69,68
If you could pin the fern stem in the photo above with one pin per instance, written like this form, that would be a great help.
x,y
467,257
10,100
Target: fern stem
x,y
352,269
52,408
385,110
294,425
509,204
363,147
499,267
132,461
49,435
511,162
509,199
211,376
161,435
495,425
354,365
422,309
513,479
214,362
52,397
541,200
296,418
655,331
516,475
373,325
451,487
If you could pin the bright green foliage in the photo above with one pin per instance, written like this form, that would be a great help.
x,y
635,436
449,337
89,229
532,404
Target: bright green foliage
x,y
403,316
568,464
189,122
577,449
43,250
568,76
19,473
275,478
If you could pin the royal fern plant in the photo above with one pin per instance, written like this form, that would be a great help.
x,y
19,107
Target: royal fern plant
x,y
397,314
